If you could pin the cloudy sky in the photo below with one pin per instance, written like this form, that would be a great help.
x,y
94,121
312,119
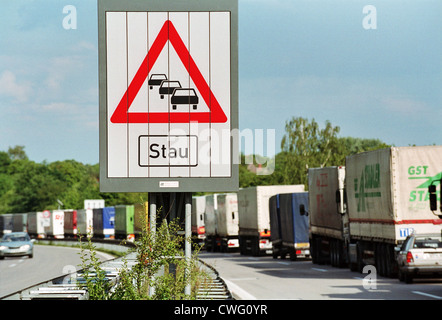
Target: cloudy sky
x,y
313,58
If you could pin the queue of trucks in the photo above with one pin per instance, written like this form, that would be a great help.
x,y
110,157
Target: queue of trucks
x,y
361,213
351,215
115,222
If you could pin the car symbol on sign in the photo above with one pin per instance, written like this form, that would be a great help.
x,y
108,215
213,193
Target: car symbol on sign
x,y
156,79
167,87
184,96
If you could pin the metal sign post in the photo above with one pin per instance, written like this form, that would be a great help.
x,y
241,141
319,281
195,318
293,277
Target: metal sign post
x,y
188,235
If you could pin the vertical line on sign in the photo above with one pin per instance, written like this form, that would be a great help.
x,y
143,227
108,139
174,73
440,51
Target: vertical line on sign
x,y
210,103
168,78
188,41
127,96
107,102
147,88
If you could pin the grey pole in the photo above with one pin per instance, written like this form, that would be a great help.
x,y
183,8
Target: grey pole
x,y
152,225
188,234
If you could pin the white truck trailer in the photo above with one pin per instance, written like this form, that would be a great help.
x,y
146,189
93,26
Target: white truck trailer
x,y
387,199
210,222
254,217
197,219
227,221
328,218
56,224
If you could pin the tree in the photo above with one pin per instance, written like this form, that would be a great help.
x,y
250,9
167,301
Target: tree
x,y
306,146
17,153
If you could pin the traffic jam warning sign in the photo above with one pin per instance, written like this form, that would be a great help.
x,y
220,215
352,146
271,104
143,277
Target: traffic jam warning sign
x,y
168,95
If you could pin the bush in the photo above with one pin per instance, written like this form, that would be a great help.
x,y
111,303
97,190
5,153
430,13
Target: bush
x,y
160,271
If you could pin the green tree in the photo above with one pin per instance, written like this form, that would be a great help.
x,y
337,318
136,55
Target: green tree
x,y
17,153
305,146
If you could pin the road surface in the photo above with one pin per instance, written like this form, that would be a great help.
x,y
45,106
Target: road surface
x,y
49,262
267,278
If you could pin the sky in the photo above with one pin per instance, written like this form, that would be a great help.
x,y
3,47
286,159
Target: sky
x,y
376,74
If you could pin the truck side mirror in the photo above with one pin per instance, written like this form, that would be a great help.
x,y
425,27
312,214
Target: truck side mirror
x,y
302,211
341,200
433,197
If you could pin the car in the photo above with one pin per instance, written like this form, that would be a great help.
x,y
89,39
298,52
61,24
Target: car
x,y
156,79
420,255
167,87
16,244
185,96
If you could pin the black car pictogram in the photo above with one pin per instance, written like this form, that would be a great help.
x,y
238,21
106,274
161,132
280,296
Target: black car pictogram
x,y
184,96
167,87
156,79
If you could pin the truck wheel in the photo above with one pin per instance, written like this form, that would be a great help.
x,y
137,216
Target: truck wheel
x,y
360,262
313,250
401,276
293,256
255,247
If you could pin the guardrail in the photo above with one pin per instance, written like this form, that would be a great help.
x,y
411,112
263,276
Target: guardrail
x,y
70,286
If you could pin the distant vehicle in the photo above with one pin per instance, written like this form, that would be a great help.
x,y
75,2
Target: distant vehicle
x,y
289,225
16,244
167,87
222,210
420,255
156,79
184,96
254,217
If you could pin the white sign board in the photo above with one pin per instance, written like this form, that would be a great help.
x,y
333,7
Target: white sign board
x,y
168,94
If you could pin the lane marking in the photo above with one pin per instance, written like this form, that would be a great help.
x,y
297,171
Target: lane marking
x,y
321,270
427,295
238,291
284,263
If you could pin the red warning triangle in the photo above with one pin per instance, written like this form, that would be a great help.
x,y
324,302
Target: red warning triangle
x,y
121,114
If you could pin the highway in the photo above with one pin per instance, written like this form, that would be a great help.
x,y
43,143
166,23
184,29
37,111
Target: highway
x,y
49,262
248,278
265,278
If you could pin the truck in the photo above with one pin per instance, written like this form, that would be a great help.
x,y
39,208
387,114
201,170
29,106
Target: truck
x,y
221,222
78,222
254,218
6,223
328,218
56,224
289,225
197,219
387,200
70,223
210,222
19,222
104,222
38,224
227,221
124,222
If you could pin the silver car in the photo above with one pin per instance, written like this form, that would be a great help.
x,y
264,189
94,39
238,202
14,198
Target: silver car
x,y
16,244
420,255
